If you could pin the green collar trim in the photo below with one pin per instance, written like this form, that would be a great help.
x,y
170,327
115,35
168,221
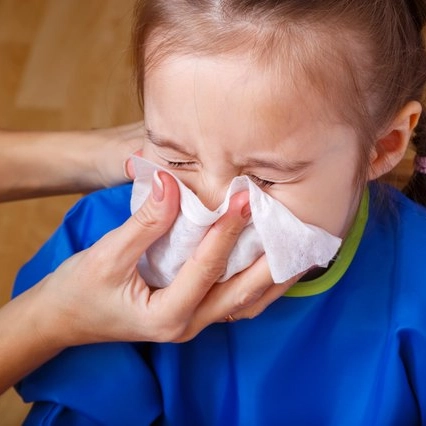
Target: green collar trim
x,y
343,259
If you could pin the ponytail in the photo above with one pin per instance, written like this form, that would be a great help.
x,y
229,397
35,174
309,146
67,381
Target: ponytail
x,y
416,187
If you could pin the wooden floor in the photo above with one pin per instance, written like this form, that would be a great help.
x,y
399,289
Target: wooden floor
x,y
64,64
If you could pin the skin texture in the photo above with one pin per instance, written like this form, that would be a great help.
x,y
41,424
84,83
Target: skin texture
x,y
225,119
210,119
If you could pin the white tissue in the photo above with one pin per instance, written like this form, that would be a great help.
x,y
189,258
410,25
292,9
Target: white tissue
x,y
290,245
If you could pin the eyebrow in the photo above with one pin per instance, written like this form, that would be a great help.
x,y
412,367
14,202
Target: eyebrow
x,y
166,143
278,165
281,165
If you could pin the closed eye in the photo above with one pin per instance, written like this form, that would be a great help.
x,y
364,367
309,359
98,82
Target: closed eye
x,y
262,183
179,164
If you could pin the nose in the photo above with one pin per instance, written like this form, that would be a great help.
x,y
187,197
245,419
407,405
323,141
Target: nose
x,y
211,190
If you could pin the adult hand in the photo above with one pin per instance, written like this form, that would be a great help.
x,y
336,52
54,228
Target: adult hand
x,y
116,146
98,295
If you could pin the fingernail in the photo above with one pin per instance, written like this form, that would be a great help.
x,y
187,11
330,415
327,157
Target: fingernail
x,y
246,211
157,187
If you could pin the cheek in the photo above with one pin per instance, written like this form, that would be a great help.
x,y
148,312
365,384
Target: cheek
x,y
328,197
328,204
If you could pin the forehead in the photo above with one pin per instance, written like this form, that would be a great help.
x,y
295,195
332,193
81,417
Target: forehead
x,y
220,92
323,68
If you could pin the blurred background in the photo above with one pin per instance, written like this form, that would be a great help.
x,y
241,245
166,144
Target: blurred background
x,y
64,64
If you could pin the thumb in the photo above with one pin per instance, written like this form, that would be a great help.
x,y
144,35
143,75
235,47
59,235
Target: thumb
x,y
148,223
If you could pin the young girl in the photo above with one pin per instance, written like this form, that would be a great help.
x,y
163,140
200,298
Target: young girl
x,y
313,101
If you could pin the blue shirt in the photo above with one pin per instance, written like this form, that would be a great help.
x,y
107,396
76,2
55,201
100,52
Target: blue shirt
x,y
348,348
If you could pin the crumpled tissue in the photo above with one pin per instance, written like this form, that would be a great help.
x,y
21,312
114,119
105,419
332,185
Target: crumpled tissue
x,y
290,245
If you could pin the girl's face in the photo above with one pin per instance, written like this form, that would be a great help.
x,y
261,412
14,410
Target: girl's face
x,y
210,119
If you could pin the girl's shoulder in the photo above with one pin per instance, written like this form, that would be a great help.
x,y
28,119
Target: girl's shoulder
x,y
117,198
107,209
410,218
399,224
407,238
390,206
394,256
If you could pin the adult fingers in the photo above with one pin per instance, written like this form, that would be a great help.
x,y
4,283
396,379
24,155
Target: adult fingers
x,y
129,170
209,261
238,293
128,242
244,296
272,293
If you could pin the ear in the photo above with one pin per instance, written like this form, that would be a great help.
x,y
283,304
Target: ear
x,y
390,148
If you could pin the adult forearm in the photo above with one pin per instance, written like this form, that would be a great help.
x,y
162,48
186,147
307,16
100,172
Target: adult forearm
x,y
22,345
34,164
